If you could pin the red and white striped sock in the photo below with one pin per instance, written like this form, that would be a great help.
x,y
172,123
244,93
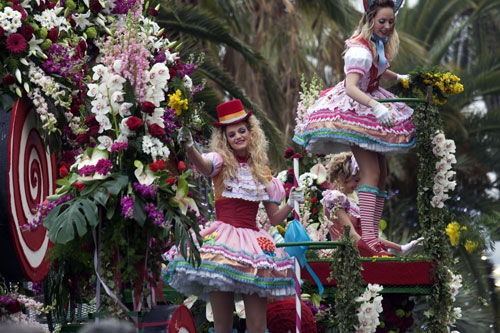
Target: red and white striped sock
x,y
367,200
379,208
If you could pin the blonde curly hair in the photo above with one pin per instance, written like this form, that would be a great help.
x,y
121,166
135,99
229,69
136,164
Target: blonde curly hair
x,y
365,30
340,170
257,149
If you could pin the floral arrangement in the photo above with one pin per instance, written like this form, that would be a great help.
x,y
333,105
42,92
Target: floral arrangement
x,y
324,315
16,308
369,309
314,183
434,155
307,97
113,90
444,150
397,315
443,84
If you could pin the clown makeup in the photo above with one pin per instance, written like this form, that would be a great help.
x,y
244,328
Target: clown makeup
x,y
384,22
238,137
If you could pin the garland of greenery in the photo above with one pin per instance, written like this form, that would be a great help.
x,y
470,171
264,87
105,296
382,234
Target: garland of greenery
x,y
346,269
432,219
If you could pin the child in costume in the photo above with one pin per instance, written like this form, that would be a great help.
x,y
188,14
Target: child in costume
x,y
237,259
343,176
348,117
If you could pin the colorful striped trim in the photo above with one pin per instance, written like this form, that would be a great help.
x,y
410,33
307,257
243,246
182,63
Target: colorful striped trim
x,y
382,194
368,188
355,70
347,137
232,117
232,273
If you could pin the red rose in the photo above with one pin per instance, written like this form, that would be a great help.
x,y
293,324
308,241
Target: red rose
x,y
314,200
298,155
156,130
289,153
63,171
21,10
86,247
172,73
79,186
83,139
171,180
14,307
181,166
52,5
153,12
27,31
148,107
133,123
90,121
93,131
72,21
95,6
16,43
53,35
154,166
161,164
8,79
315,210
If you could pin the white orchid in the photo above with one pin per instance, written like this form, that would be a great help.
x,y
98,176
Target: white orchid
x,y
105,142
144,175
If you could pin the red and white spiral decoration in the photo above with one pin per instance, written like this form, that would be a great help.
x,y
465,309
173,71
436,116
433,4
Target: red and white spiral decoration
x,y
31,178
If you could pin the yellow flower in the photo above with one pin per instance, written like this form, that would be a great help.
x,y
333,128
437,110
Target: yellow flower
x,y
177,103
470,246
405,83
453,231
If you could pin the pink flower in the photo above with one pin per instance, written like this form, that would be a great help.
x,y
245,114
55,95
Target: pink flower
x,y
103,166
16,43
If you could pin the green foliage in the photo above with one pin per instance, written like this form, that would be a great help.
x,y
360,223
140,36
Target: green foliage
x,y
346,270
433,220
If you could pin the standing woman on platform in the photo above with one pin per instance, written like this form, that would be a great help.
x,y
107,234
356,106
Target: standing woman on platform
x,y
348,116
238,259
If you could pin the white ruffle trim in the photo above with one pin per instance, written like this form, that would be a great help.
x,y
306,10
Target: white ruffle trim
x,y
255,263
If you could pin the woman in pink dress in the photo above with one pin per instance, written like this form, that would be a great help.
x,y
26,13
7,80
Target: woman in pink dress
x,y
348,117
237,259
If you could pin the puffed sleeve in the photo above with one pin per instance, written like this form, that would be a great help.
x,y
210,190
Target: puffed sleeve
x,y
357,60
216,160
276,191
333,199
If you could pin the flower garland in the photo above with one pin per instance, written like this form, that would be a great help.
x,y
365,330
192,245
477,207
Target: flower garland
x,y
444,151
369,309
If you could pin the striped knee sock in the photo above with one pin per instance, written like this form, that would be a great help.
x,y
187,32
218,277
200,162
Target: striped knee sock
x,y
379,208
367,199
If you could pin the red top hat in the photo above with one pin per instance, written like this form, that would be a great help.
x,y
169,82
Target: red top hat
x,y
231,112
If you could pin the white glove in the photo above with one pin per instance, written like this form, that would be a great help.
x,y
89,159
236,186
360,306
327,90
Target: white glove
x,y
403,76
383,115
296,194
185,138
407,247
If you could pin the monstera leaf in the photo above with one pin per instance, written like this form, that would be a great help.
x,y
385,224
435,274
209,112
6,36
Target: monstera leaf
x,y
62,221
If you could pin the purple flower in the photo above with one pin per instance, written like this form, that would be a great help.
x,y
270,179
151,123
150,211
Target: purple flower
x,y
145,190
103,166
127,204
156,216
87,170
119,146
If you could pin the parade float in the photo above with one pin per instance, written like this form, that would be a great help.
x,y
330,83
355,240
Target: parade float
x,y
93,95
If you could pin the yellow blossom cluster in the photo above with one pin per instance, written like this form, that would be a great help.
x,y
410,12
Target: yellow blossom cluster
x,y
470,245
405,83
177,103
446,82
453,230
